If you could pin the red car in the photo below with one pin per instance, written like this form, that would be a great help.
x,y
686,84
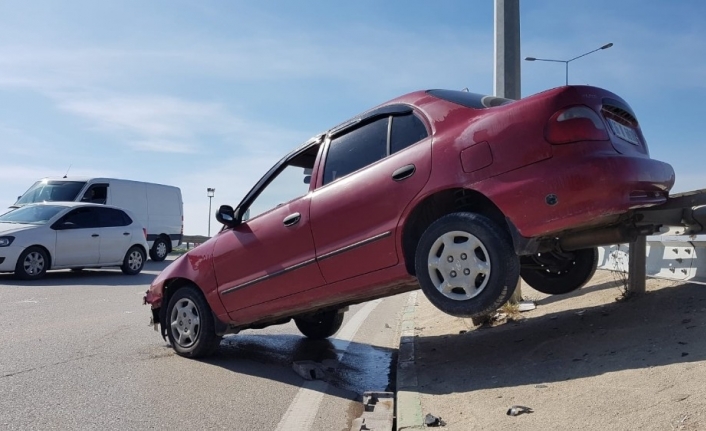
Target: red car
x,y
452,191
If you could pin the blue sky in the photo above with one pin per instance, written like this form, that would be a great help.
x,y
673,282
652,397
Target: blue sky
x,y
212,93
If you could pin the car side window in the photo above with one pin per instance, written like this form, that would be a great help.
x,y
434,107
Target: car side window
x,y
356,149
81,218
406,130
97,194
110,217
291,182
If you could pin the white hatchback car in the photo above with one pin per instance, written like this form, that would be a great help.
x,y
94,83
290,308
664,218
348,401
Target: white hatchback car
x,y
75,235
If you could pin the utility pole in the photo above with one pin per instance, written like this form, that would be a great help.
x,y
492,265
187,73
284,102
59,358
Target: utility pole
x,y
507,49
507,65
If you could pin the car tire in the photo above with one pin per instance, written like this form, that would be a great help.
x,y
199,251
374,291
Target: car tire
x,y
159,250
558,273
189,324
466,265
32,264
134,261
320,325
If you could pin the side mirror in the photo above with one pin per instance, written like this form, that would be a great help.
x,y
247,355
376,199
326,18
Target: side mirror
x,y
226,215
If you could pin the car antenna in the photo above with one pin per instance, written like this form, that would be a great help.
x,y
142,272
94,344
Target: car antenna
x,y
67,171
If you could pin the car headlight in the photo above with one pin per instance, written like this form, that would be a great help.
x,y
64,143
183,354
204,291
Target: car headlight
x,y
6,240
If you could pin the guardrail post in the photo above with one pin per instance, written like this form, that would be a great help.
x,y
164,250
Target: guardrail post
x,y
637,263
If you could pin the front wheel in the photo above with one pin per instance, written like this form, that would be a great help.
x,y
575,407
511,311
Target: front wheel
x,y
32,264
190,325
558,273
159,250
466,265
134,261
320,325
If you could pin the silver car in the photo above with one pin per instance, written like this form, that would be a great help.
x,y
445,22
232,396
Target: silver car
x,y
60,235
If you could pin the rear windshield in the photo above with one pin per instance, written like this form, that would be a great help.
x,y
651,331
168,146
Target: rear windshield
x,y
469,100
32,214
51,191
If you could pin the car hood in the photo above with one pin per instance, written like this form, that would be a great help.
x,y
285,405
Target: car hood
x,y
11,228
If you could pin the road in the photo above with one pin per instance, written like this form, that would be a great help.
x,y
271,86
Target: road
x,y
77,353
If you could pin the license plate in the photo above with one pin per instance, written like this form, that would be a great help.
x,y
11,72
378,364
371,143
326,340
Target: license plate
x,y
624,132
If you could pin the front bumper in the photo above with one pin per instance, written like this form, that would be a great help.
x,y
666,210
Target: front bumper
x,y
9,256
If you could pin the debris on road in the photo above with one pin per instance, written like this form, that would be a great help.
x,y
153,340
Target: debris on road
x,y
433,421
526,306
518,410
309,370
378,412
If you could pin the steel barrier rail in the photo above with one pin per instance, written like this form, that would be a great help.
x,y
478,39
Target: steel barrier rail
x,y
671,255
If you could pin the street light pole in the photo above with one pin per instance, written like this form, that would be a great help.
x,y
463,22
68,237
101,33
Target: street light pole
x,y
566,62
209,192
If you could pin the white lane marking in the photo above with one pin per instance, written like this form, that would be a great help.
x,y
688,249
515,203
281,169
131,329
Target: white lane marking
x,y
302,412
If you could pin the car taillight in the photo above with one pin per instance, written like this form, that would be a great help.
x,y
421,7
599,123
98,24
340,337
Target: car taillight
x,y
573,124
144,232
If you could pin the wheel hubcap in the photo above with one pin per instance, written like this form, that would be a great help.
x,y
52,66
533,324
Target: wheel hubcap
x,y
33,263
134,261
459,265
185,323
161,249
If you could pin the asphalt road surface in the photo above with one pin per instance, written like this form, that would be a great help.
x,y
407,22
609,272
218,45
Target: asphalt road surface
x,y
76,352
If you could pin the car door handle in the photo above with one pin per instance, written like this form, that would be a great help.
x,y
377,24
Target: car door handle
x,y
292,219
404,172
126,233
95,235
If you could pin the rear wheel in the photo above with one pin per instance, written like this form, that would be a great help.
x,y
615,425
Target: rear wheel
x,y
466,265
320,325
134,261
159,250
558,273
32,263
190,325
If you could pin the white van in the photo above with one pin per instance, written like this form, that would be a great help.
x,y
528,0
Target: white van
x,y
158,207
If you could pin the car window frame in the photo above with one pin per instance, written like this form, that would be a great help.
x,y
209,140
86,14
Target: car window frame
x,y
394,110
272,173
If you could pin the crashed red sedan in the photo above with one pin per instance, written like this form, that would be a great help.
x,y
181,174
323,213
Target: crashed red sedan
x,y
456,192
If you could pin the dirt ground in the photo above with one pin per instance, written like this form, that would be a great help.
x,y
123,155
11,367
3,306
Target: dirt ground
x,y
581,361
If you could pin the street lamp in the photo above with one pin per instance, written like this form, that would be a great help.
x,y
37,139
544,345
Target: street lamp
x,y
566,62
209,192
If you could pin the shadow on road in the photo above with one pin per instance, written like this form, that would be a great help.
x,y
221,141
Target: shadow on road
x,y
663,327
98,276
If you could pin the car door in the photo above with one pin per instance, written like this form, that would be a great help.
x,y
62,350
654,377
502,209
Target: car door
x,y
115,234
271,255
371,174
77,238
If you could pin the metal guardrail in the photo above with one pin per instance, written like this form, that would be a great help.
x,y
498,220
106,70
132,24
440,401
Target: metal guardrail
x,y
671,256
191,241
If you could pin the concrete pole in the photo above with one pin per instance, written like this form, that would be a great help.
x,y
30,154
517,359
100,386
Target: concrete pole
x,y
507,63
507,49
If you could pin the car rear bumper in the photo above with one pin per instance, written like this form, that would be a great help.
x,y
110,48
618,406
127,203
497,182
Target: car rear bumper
x,y
563,193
